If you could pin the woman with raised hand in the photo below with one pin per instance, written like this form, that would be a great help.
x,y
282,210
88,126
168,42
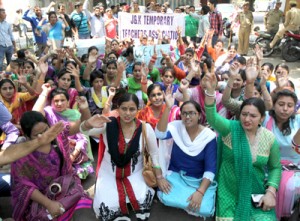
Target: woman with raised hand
x,y
58,110
197,94
245,151
33,174
233,104
120,162
54,29
156,106
193,149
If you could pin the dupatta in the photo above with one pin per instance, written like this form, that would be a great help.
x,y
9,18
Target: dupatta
x,y
243,170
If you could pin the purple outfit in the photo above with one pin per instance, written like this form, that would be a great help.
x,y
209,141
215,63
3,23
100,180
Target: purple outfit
x,y
81,143
36,171
12,133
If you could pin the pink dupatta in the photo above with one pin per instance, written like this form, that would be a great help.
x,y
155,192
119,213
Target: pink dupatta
x,y
283,196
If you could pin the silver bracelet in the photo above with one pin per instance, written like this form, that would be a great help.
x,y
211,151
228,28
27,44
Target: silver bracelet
x,y
209,95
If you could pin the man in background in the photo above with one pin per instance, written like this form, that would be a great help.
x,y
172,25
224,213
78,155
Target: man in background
x,y
292,22
7,41
215,19
272,18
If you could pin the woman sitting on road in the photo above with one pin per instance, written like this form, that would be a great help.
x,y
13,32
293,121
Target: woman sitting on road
x,y
120,162
246,153
193,150
32,174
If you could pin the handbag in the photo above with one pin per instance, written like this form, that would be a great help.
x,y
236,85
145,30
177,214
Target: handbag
x,y
148,173
182,188
63,189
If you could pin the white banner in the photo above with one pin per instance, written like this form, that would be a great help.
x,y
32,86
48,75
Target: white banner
x,y
83,45
132,25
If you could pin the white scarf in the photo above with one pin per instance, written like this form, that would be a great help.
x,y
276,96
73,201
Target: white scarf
x,y
182,139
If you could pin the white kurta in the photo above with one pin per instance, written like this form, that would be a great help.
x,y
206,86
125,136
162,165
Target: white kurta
x,y
106,201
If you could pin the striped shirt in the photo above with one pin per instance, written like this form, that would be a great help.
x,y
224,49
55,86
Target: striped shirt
x,y
81,22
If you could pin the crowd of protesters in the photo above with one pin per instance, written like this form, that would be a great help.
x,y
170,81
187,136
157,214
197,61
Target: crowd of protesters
x,y
208,111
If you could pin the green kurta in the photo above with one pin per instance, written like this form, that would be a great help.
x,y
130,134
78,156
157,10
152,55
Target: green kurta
x,y
265,159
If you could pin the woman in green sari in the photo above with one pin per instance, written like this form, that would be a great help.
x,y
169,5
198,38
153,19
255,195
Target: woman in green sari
x,y
248,160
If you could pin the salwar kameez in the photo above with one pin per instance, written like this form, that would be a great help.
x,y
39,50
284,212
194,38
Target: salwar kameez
x,y
242,169
120,181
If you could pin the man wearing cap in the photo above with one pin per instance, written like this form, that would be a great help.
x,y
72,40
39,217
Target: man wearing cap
x,y
292,22
80,16
245,18
273,18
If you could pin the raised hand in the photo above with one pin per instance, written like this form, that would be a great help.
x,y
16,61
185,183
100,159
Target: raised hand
x,y
43,66
97,121
169,99
169,90
73,71
258,52
282,81
209,81
184,85
251,70
22,77
164,54
264,77
27,54
112,91
82,102
154,51
46,88
211,32
92,58
179,30
51,133
195,68
234,69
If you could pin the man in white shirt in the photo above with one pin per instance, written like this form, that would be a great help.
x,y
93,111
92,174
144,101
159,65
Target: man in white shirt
x,y
97,23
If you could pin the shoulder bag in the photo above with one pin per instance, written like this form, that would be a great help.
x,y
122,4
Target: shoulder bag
x,y
148,173
63,189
